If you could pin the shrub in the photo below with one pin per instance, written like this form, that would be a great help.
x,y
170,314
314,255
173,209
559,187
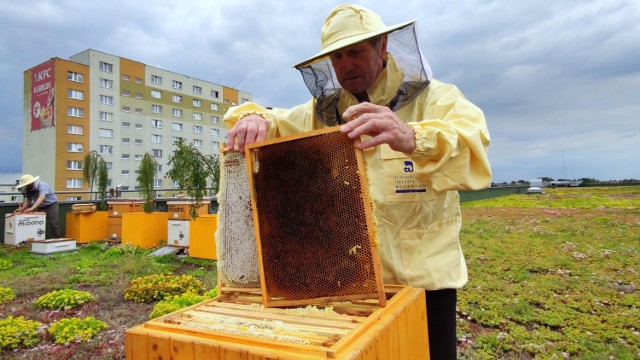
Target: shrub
x,y
68,330
6,294
159,287
17,331
5,264
64,299
174,303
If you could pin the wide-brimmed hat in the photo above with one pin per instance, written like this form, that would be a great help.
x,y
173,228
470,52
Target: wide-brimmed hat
x,y
26,179
349,24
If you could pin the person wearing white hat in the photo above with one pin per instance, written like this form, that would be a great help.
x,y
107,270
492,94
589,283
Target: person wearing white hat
x,y
39,196
422,141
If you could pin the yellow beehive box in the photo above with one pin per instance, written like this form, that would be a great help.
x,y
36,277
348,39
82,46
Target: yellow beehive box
x,y
114,227
87,227
236,326
145,230
202,242
181,209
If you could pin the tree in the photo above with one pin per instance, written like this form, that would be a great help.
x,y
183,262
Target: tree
x,y
147,173
95,167
191,169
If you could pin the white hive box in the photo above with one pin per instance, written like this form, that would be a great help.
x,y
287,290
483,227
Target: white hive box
x,y
51,246
178,233
19,228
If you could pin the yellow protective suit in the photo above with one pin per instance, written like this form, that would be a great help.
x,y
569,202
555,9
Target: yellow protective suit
x,y
416,202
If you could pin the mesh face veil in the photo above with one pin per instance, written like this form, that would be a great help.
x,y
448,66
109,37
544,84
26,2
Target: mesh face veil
x,y
402,47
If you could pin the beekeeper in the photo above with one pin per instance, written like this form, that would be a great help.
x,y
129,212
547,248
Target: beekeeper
x,y
39,196
422,141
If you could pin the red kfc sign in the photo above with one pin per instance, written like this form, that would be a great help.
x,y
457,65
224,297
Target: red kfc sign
x,y
42,97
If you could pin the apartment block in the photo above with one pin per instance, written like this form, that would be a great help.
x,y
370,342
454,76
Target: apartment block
x,y
120,108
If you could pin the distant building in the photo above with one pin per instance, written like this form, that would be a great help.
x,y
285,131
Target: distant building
x,y
120,108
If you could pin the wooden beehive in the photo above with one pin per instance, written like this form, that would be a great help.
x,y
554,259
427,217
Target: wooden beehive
x,y
313,220
236,326
118,207
235,236
181,209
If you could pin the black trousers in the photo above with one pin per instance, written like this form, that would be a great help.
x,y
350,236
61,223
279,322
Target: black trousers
x,y
52,220
441,323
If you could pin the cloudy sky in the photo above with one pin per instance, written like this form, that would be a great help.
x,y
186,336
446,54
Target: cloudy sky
x,y
559,81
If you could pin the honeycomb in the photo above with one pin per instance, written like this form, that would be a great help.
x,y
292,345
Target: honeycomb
x,y
235,238
314,223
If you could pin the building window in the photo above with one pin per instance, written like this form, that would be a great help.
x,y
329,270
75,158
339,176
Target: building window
x,y
156,139
126,108
105,133
75,94
125,156
177,85
105,149
126,124
158,168
74,183
156,94
106,67
74,76
175,184
157,153
157,183
197,142
106,116
138,81
156,123
75,129
138,126
106,83
138,157
125,77
176,126
176,139
75,112
215,144
74,165
109,166
215,119
156,109
107,100
125,172
197,90
138,96
74,147
197,103
197,129
138,111
126,140
197,116
155,79
177,113
244,100
136,173
126,93
138,141
176,98
214,107
215,132
215,94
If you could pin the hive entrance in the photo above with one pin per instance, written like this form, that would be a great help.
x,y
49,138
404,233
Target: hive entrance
x,y
312,215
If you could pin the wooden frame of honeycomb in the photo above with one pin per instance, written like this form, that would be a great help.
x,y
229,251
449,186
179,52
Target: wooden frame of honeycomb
x,y
315,235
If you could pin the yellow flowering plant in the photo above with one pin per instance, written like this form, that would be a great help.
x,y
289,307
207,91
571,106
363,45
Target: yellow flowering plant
x,y
64,299
65,331
18,331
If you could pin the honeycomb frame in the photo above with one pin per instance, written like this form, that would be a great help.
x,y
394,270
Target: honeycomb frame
x,y
314,228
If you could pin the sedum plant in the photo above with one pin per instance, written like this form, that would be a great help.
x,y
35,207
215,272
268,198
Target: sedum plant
x,y
158,287
176,302
64,299
18,331
5,264
6,295
65,331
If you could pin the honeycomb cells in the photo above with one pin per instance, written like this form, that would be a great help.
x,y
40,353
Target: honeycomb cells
x,y
314,218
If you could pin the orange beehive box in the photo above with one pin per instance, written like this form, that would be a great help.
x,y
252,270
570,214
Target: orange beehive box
x,y
181,209
235,326
202,242
119,207
145,230
87,227
114,227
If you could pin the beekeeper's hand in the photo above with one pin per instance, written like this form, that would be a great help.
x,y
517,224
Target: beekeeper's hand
x,y
249,129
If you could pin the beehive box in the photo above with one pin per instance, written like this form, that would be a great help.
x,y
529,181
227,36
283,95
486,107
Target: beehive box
x,y
236,326
22,227
114,227
313,219
203,243
87,227
145,230
181,209
119,207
